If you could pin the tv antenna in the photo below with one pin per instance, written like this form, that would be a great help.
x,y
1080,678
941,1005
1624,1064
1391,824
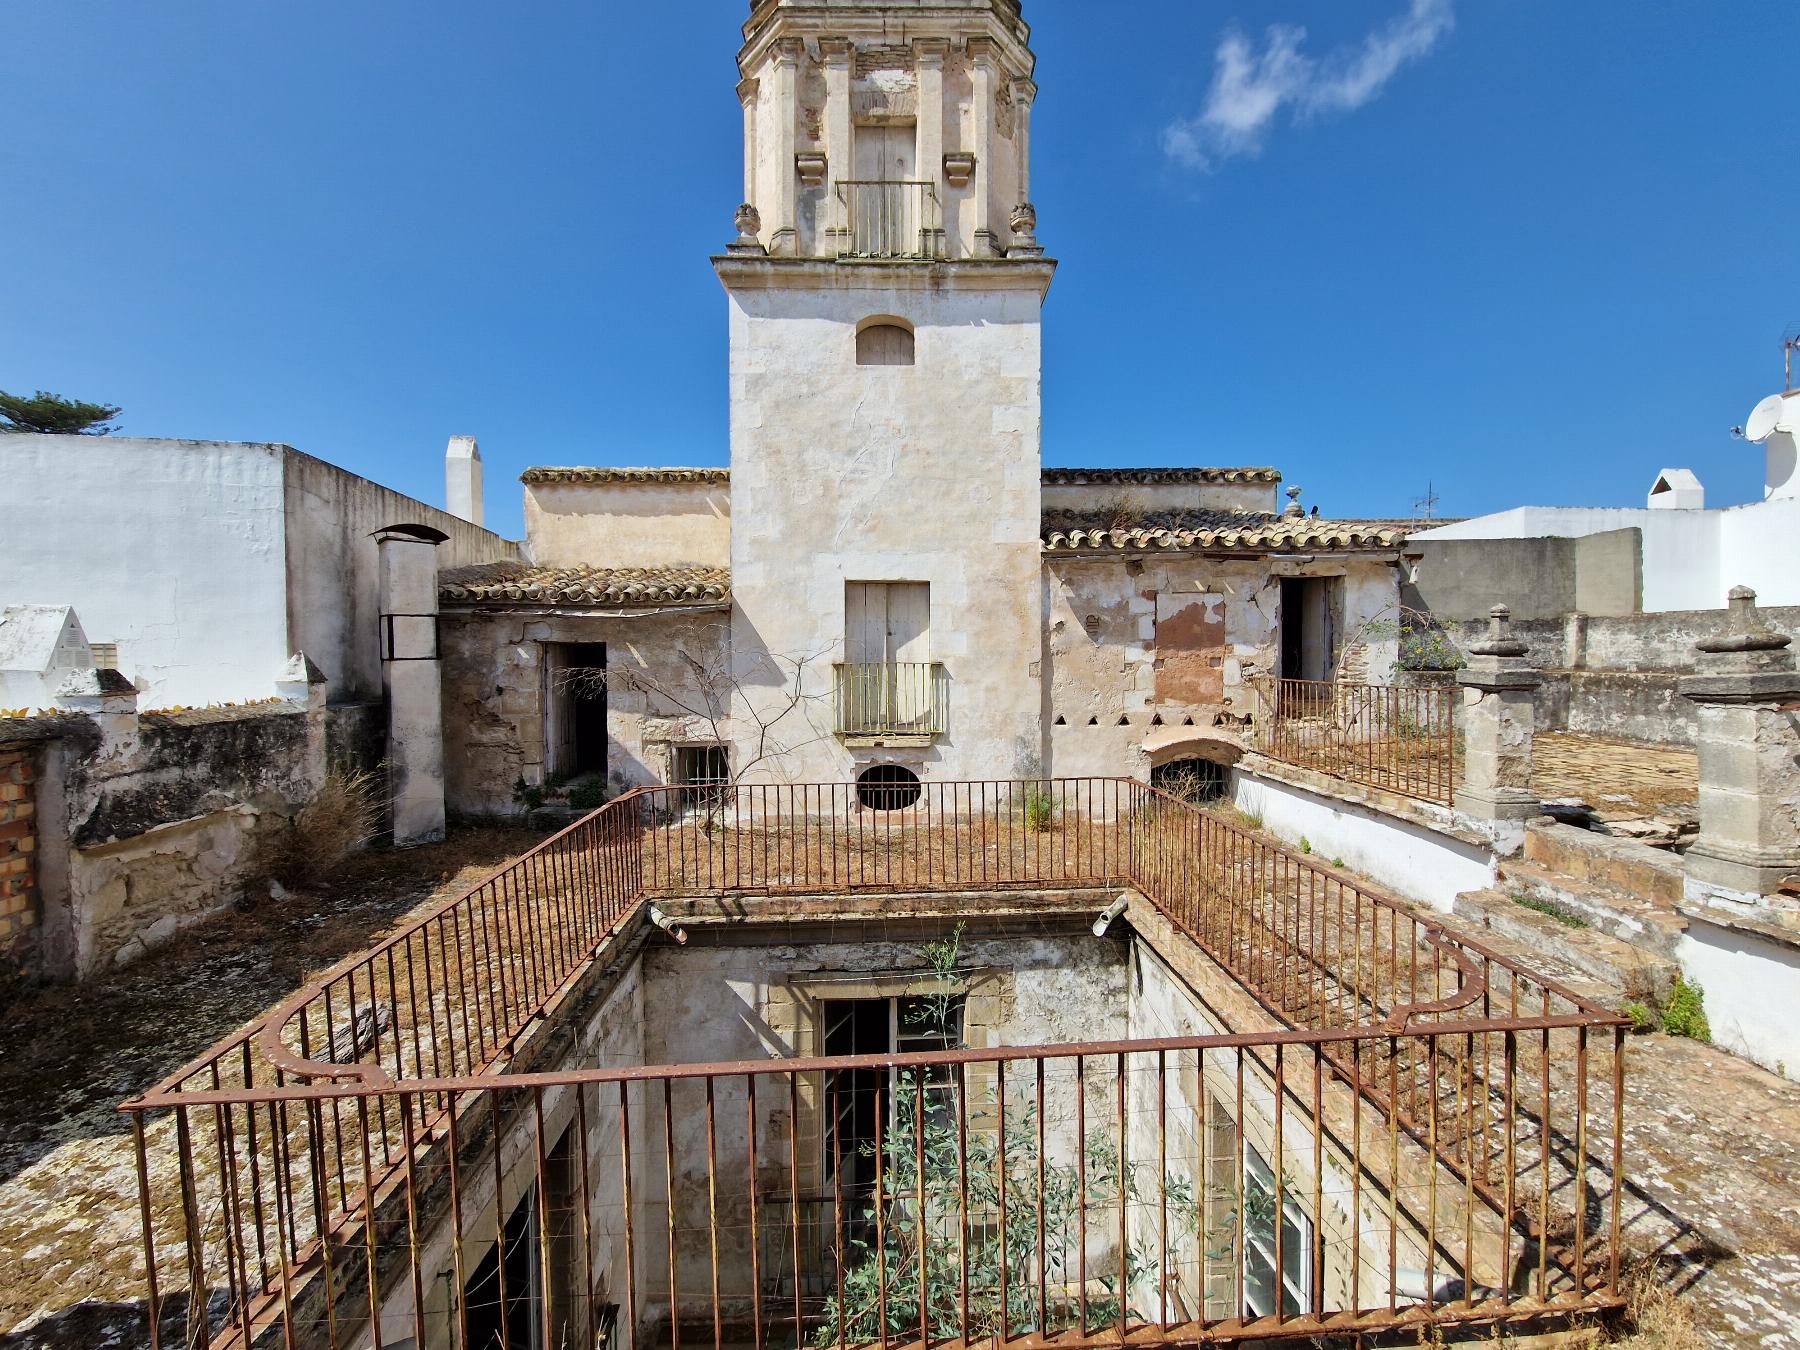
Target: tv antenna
x,y
1790,343
1426,506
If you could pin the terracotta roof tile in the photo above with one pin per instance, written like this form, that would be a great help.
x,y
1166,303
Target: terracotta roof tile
x,y
602,475
1054,477
1259,531
514,583
1074,477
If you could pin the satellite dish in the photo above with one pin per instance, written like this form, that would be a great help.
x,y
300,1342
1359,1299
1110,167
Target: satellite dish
x,y
1765,419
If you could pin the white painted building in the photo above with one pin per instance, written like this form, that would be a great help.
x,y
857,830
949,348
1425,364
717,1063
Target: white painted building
x,y
1691,558
204,566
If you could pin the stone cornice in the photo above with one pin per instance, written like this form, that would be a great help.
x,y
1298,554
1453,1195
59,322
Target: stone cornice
x,y
997,26
1741,687
826,274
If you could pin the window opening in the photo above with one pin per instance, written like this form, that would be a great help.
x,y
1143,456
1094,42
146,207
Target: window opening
x,y
1192,780
106,655
887,787
1259,1243
704,768
909,1024
885,344
502,1296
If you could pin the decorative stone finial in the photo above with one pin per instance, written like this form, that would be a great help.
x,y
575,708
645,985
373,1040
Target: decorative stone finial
x,y
1294,509
749,225
1744,629
1024,227
1499,640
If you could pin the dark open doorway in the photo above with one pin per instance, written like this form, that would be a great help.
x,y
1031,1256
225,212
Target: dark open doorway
x,y
575,709
1309,618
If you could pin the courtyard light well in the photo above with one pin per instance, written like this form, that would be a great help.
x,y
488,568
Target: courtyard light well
x,y
1430,1121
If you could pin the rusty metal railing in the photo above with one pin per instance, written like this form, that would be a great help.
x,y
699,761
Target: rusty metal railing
x,y
1401,739
889,219
905,698
1428,1145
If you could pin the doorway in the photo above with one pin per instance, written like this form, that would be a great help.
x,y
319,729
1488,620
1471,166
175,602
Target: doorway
x,y
575,709
1309,610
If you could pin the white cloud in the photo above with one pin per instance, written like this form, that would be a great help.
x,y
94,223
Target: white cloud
x,y
1252,84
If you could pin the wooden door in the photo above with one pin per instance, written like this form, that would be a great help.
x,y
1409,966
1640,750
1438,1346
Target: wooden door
x,y
887,644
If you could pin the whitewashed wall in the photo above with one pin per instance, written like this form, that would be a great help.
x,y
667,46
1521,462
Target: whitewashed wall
x,y
1691,558
209,563
927,472
172,549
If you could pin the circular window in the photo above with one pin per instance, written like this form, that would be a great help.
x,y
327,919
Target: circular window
x,y
887,787
1192,780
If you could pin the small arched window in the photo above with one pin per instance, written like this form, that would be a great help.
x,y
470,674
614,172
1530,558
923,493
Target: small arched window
x,y
884,342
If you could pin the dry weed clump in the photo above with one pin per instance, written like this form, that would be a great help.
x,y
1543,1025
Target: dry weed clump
x,y
344,818
1120,512
1656,1316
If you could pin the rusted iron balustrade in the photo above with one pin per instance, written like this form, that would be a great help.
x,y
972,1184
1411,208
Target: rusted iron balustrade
x,y
1433,1134
905,698
881,219
1398,738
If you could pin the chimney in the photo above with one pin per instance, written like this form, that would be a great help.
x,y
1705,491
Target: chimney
x,y
462,479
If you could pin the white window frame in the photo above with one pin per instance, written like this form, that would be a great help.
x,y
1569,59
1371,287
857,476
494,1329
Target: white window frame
x,y
1296,1295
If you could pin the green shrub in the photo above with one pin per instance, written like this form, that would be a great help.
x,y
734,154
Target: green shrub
x,y
1040,809
1305,844
1685,1012
588,796
1642,1015
526,795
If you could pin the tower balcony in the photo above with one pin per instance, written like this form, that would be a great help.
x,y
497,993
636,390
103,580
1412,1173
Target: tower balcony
x,y
890,698
896,221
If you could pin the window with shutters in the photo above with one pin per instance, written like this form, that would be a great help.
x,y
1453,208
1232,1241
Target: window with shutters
x,y
887,682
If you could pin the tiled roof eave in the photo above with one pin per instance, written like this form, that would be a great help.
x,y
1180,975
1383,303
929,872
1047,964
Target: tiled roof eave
x,y
1106,542
517,586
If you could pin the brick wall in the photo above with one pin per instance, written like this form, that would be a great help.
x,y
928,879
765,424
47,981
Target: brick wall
x,y
18,852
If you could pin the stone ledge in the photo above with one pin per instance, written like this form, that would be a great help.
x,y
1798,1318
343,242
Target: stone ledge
x,y
1427,815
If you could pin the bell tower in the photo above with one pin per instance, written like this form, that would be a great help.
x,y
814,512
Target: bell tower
x,y
886,288
888,130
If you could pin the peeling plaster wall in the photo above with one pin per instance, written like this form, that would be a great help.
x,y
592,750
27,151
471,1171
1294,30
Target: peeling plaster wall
x,y
928,473
495,690
628,524
1162,647
146,825
167,833
1615,675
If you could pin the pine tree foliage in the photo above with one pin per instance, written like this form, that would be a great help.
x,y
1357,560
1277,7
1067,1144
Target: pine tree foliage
x,y
53,413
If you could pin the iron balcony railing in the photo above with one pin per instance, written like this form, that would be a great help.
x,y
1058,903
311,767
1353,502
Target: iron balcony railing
x,y
900,220
1398,738
896,698
1431,1137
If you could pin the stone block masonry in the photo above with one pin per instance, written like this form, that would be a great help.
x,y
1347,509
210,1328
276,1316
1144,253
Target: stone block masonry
x,y
18,855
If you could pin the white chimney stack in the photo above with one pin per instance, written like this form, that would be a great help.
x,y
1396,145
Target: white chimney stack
x,y
462,479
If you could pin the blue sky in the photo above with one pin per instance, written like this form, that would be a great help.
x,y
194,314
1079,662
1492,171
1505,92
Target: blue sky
x,y
1528,251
